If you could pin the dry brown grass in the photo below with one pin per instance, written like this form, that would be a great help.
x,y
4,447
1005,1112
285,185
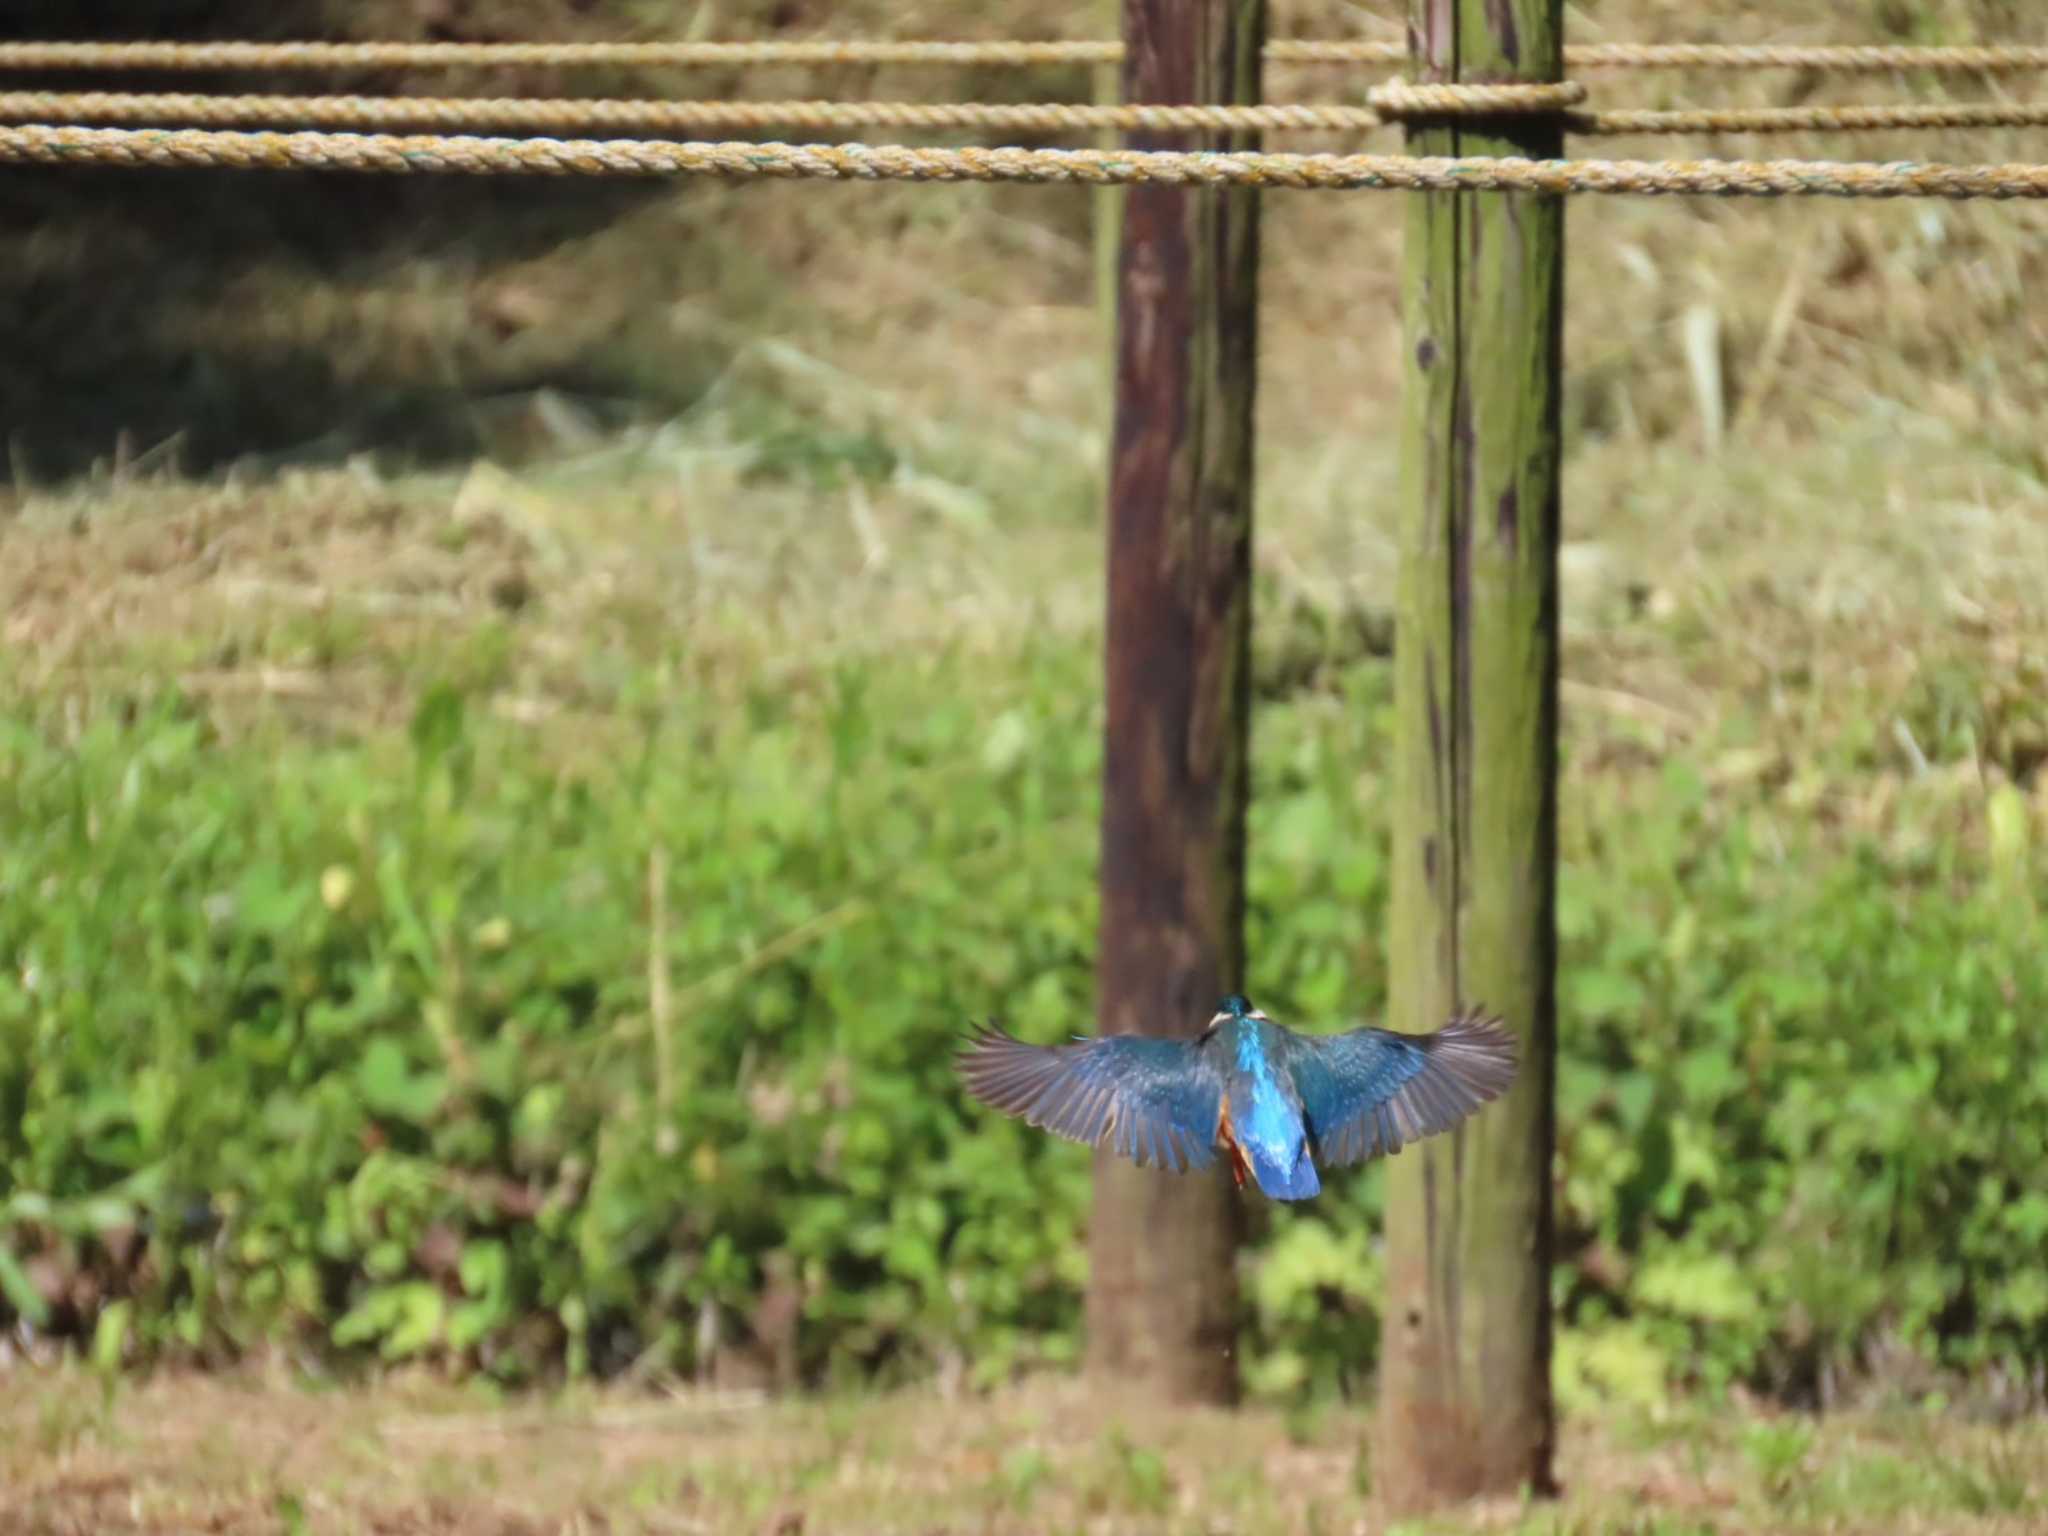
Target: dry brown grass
x,y
1803,436
233,1455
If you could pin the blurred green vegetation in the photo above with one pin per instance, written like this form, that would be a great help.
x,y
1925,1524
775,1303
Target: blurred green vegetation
x,y
355,1043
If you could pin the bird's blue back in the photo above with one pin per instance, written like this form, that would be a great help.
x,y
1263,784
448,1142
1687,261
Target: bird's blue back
x,y
1265,1108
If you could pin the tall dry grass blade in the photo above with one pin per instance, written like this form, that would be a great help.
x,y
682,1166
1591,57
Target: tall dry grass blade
x,y
660,1002
1701,337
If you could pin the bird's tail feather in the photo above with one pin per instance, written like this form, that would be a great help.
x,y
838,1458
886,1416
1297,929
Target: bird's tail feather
x,y
1281,1182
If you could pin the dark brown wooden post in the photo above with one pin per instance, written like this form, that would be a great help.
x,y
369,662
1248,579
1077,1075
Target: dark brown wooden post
x,y
1162,1301
1465,1405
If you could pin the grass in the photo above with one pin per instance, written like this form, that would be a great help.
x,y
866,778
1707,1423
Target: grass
x,y
258,1451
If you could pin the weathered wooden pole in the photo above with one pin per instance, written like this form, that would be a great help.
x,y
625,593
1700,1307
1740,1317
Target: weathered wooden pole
x,y
1465,1404
1162,1301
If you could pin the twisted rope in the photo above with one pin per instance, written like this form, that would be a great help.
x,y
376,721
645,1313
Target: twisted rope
x,y
232,55
680,55
1088,167
557,116
1402,99
1851,59
554,115
1950,114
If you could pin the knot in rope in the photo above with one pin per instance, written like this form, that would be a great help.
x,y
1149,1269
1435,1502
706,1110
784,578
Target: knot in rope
x,y
1401,100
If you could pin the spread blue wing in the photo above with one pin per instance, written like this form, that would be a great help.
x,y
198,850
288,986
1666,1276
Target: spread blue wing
x,y
1153,1101
1371,1091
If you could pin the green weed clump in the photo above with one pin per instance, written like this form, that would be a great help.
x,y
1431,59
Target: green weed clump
x,y
380,1046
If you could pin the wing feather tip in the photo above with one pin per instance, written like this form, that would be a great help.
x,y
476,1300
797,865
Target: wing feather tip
x,y
1475,1053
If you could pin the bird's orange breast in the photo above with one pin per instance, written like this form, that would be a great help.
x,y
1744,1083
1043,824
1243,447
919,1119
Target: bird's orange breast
x,y
1227,1140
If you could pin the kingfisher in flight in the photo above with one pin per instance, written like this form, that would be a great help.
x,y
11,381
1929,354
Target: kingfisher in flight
x,y
1276,1103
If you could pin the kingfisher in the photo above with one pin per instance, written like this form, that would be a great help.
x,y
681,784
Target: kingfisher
x,y
1276,1103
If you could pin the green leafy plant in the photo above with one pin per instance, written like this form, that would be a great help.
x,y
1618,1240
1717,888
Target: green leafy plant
x,y
1778,1451
355,1042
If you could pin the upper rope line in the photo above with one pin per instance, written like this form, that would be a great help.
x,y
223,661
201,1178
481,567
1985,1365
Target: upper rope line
x,y
555,115
429,155
685,55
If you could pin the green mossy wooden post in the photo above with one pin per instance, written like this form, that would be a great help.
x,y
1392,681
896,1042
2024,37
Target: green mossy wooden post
x,y
1162,1299
1465,1402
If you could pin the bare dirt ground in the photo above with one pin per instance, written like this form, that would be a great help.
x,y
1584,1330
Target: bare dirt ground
x,y
247,1454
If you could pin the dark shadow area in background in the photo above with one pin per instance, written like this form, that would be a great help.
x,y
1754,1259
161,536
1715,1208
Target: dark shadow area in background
x,y
106,275
99,334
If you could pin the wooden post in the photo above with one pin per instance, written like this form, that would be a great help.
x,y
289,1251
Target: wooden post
x,y
1162,1301
1465,1404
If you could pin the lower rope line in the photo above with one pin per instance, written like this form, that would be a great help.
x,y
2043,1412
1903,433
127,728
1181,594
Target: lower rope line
x,y
430,155
554,115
